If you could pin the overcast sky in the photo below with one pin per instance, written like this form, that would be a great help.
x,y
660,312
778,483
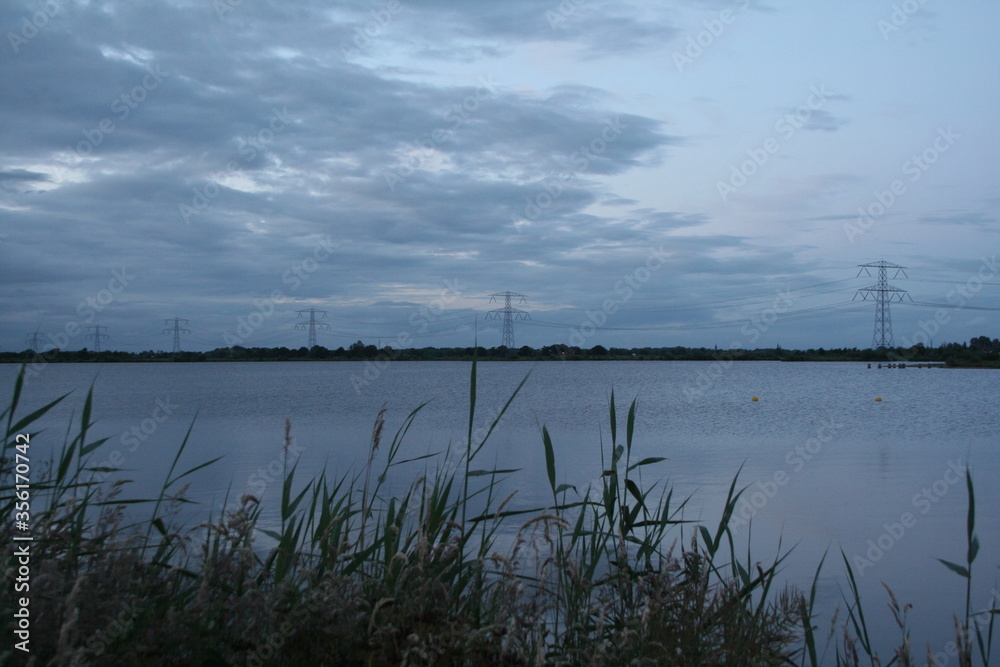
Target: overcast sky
x,y
685,173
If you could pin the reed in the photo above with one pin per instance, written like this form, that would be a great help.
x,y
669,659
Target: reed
x,y
354,573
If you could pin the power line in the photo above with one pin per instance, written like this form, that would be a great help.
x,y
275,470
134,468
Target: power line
x,y
949,306
312,325
509,315
952,282
97,335
884,294
791,316
735,301
177,330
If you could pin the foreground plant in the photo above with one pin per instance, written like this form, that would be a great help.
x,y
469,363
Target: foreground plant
x,y
353,574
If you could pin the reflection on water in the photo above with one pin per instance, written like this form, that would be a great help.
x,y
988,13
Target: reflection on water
x,y
826,466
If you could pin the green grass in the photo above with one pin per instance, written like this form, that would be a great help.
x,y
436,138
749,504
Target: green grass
x,y
355,575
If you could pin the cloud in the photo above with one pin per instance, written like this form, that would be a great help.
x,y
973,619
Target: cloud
x,y
511,145
821,119
980,219
11,175
463,32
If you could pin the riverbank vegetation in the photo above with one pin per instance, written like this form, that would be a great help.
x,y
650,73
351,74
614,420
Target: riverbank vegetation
x,y
440,569
978,352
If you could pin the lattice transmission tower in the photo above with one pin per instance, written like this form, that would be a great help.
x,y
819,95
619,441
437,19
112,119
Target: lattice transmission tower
x,y
509,314
883,294
312,325
177,330
97,336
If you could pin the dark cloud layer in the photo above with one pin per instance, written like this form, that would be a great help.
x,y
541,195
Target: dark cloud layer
x,y
220,154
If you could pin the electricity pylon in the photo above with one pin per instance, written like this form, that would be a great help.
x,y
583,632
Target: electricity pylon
x,y
97,336
883,294
509,315
177,330
312,325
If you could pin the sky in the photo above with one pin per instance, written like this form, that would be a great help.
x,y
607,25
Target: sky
x,y
698,172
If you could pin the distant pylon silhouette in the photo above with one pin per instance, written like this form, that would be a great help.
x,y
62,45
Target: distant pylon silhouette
x,y
509,315
312,325
177,330
883,293
97,336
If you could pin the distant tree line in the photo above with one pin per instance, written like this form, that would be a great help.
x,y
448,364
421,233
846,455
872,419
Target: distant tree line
x,y
979,351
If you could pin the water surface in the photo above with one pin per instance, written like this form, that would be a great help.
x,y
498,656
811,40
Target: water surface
x,y
827,466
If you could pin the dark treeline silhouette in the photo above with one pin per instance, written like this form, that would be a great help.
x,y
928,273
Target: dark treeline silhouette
x,y
979,351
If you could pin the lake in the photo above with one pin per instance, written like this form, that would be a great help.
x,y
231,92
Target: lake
x,y
827,466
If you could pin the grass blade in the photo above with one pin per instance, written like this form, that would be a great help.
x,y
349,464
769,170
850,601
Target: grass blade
x,y
550,460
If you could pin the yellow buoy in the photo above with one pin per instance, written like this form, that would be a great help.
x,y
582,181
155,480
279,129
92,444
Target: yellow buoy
x,y
879,400
754,398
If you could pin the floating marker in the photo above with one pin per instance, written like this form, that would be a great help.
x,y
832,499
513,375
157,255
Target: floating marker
x,y
754,398
879,399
